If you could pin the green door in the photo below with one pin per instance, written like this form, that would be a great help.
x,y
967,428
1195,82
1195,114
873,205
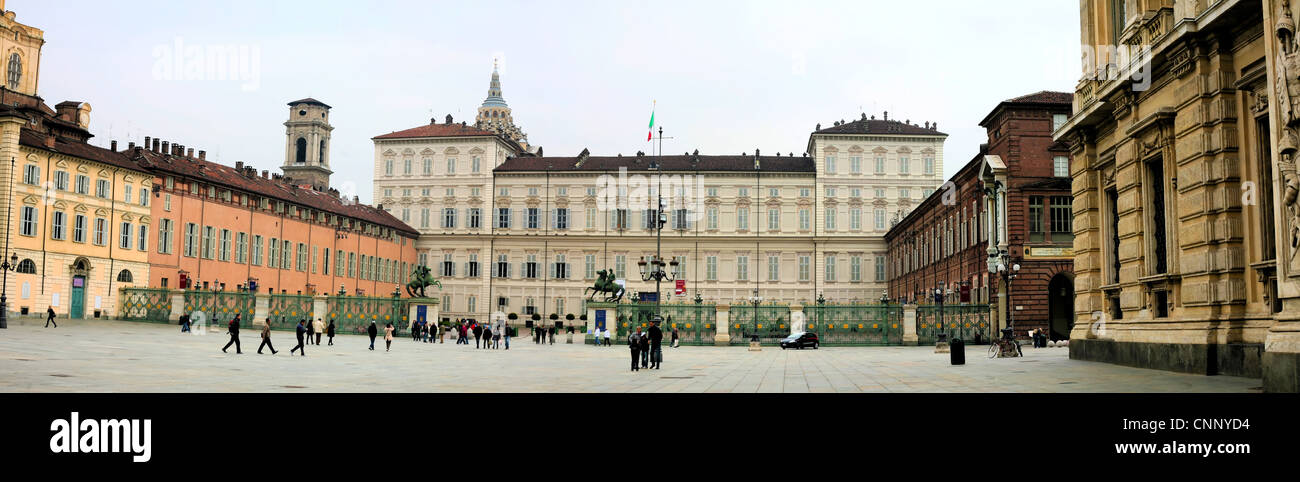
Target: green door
x,y
77,306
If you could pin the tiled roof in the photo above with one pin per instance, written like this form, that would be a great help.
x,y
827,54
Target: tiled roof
x,y
438,130
232,178
80,150
667,163
312,101
1043,97
874,126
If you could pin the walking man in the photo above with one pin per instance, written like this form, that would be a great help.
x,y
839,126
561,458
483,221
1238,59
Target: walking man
x,y
329,331
319,328
478,333
551,331
299,331
607,342
50,318
233,329
266,338
634,343
373,331
656,342
487,336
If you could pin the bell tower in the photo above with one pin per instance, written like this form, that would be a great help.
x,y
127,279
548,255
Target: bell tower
x,y
307,141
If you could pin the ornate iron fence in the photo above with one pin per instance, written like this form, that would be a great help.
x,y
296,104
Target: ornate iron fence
x,y
631,316
145,304
353,314
695,324
957,321
770,322
856,325
221,306
285,310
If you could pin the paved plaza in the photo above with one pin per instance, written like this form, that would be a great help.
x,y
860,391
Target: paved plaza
x,y
113,356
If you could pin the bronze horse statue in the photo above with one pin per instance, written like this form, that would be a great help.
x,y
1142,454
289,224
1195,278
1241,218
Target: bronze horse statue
x,y
421,278
605,285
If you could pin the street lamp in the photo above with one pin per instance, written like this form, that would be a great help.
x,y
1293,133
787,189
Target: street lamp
x,y
756,300
6,266
1009,271
4,285
884,297
938,298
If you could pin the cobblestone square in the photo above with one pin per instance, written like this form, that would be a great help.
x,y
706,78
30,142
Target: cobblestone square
x,y
113,356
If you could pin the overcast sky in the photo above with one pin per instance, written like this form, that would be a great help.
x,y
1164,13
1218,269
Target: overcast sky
x,y
729,77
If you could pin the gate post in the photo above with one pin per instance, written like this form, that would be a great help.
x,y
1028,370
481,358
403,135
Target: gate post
x,y
319,310
261,308
796,318
723,323
910,337
178,304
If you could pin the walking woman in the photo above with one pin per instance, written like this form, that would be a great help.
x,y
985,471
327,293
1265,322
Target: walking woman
x,y
329,331
311,330
373,331
388,337
266,338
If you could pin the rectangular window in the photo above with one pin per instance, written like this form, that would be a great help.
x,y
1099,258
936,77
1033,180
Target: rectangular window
x,y
855,219
58,228
474,216
805,268
141,242
503,218
302,257
830,164
474,164
32,175
472,268
880,268
620,266
742,219
1061,166
530,267
904,165
855,164
855,269
352,265
209,242
589,270
273,255
712,217
225,245
449,217
880,164
83,184
61,180
125,236
773,219
830,269
773,268
742,268
191,240
831,214
285,254
532,218
562,218
144,197
805,219
101,231
1058,120
241,248
711,268
257,250
102,189
1062,219
325,261
1036,233
127,193
591,218
451,165
79,228
879,219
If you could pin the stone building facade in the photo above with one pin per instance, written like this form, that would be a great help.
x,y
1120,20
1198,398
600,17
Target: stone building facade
x,y
511,231
1184,185
1021,176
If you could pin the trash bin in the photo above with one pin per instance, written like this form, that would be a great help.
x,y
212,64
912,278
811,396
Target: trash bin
x,y
957,351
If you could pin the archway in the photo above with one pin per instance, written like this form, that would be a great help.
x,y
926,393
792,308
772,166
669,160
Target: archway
x,y
1060,301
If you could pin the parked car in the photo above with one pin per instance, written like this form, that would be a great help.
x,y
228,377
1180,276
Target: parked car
x,y
800,340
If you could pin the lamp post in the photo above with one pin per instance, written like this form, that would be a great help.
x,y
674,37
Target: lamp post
x,y
1009,271
7,266
756,300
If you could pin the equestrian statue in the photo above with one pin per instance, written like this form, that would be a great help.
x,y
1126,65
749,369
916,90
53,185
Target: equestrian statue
x,y
421,278
605,285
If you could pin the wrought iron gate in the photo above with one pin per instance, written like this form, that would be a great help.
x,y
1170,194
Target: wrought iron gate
x,y
770,322
856,325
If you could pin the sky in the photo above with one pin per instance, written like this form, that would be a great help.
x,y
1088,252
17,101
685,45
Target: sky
x,y
724,77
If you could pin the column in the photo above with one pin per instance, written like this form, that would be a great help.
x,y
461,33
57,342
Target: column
x,y
910,337
723,323
261,308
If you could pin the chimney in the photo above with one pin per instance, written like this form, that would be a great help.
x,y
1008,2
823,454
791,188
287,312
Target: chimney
x,y
147,140
189,153
886,115
239,165
155,144
448,118
203,155
166,147
113,145
356,199
49,142
130,145
264,174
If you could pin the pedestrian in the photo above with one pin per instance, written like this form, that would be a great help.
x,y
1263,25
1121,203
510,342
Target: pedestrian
x,y
607,342
507,334
319,329
634,343
462,333
487,336
372,331
233,330
478,334
185,323
388,337
299,331
656,345
311,330
645,349
50,318
266,338
329,331
595,332
676,337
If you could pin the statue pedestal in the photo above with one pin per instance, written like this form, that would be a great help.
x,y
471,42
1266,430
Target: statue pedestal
x,y
422,309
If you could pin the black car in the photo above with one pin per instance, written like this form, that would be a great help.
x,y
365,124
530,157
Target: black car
x,y
800,340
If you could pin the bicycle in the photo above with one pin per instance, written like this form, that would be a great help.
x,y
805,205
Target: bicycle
x,y
1005,348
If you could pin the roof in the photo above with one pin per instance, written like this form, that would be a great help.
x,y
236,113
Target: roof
x,y
874,126
79,150
232,178
311,101
1043,99
438,130
688,162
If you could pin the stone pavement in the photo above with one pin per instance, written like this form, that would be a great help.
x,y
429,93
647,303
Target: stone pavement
x,y
114,356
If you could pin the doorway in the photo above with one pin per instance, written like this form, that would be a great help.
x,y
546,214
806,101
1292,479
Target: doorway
x,y
1060,300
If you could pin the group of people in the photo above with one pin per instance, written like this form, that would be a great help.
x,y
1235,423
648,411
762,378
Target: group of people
x,y
647,347
307,334
596,335
541,334
488,336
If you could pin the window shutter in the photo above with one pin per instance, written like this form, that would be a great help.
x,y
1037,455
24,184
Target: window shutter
x,y
553,224
552,270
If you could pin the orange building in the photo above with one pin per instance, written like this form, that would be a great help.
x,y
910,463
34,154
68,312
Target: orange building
x,y
222,227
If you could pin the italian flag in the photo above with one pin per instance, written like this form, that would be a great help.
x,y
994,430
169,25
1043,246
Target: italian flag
x,y
651,134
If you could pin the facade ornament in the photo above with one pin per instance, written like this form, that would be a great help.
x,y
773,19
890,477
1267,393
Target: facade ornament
x,y
1288,105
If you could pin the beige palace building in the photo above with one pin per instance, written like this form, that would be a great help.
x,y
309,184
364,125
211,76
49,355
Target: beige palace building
x,y
517,232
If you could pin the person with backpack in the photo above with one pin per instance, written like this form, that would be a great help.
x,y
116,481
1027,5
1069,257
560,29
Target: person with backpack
x,y
266,338
373,331
299,331
50,318
233,330
634,343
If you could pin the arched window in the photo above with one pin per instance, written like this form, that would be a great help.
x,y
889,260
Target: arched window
x,y
125,276
27,266
301,155
15,70
322,152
